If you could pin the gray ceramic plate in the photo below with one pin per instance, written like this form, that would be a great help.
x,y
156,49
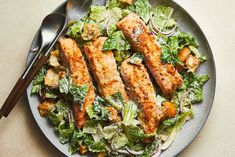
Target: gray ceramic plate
x,y
193,127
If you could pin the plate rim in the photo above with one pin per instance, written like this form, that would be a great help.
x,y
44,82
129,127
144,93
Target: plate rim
x,y
36,39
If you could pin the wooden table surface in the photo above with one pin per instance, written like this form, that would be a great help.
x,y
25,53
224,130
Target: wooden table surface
x,y
19,133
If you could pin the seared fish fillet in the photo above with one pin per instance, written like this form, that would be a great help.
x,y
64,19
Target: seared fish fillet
x,y
80,76
141,90
165,75
104,69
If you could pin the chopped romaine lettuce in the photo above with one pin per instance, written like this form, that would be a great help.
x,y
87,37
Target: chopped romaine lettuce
x,y
136,58
150,148
97,111
180,122
173,44
97,13
197,54
35,89
97,147
170,51
129,113
162,18
50,94
170,122
64,85
110,131
112,4
75,30
119,141
59,113
120,56
79,93
134,133
76,140
143,9
116,41
194,82
116,100
90,127
38,81
191,90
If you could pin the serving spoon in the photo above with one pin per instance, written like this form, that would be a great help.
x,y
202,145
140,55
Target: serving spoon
x,y
50,30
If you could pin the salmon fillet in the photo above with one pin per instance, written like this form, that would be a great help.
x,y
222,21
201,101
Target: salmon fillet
x,y
104,69
141,90
80,77
165,75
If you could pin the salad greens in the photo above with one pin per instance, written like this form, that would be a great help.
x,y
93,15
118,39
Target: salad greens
x,y
125,136
136,58
116,100
161,18
171,45
97,111
38,81
143,9
117,42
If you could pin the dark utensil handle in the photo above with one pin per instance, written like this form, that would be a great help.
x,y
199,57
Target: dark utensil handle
x,y
19,84
22,84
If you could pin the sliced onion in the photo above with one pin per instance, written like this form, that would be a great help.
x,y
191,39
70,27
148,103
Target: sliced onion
x,y
107,27
182,99
170,140
123,151
156,30
134,152
158,151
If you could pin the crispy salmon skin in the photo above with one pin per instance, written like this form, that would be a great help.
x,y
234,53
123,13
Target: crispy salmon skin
x,y
165,75
80,77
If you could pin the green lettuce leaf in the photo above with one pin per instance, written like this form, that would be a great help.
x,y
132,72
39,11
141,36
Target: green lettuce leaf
x,y
64,85
97,111
197,54
116,41
97,13
35,89
171,45
59,113
150,148
38,81
97,147
143,9
119,141
110,131
79,93
51,94
120,56
162,18
112,4
76,140
75,30
170,122
116,100
129,113
194,83
136,58
177,127
134,133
